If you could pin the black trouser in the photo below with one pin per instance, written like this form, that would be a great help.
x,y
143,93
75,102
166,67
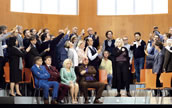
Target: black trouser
x,y
97,85
123,76
158,84
1,72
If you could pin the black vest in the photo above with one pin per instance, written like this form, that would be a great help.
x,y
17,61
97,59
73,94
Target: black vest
x,y
109,48
96,60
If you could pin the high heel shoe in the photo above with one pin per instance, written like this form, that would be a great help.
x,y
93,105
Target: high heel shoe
x,y
11,95
18,95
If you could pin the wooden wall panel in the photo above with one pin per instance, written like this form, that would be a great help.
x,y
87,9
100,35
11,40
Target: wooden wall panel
x,y
120,25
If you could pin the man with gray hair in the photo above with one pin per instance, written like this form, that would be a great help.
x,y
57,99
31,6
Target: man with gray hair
x,y
94,36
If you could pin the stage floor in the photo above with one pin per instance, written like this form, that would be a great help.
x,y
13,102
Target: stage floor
x,y
108,98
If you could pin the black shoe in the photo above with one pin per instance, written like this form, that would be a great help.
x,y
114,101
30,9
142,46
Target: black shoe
x,y
97,101
129,95
18,95
60,102
54,102
11,95
118,95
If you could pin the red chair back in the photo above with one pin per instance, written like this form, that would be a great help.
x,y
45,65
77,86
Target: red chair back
x,y
103,76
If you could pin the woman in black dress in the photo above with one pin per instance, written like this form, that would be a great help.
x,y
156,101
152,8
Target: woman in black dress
x,y
122,66
16,65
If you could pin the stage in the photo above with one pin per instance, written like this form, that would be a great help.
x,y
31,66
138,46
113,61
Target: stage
x,y
138,97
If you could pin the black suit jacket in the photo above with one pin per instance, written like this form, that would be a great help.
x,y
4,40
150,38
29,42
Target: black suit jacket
x,y
31,55
52,44
96,41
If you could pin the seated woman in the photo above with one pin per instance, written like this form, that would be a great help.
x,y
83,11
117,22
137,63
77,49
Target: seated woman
x,y
55,76
87,80
107,64
41,77
68,77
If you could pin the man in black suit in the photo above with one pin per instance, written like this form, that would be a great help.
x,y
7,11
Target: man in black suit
x,y
26,40
51,43
33,52
94,36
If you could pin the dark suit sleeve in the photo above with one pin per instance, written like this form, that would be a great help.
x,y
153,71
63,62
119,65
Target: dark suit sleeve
x,y
96,43
55,41
16,52
143,44
166,61
36,73
133,47
160,63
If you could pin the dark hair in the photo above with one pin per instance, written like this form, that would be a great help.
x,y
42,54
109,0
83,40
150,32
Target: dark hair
x,y
37,58
32,38
159,44
44,36
31,30
168,35
106,51
2,28
155,27
137,33
12,41
24,32
47,57
107,33
44,30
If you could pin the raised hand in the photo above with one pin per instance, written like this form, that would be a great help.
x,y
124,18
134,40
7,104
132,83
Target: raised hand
x,y
14,29
66,29
68,32
82,32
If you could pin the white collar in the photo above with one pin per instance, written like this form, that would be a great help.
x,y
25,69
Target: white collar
x,y
38,66
168,48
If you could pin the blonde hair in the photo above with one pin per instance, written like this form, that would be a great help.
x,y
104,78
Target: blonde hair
x,y
80,42
67,44
67,61
119,40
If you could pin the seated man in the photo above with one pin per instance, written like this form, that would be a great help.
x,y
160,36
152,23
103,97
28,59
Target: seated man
x,y
55,76
87,80
41,77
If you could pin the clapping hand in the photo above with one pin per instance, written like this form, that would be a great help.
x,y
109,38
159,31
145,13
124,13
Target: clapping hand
x,y
83,72
46,50
146,53
99,50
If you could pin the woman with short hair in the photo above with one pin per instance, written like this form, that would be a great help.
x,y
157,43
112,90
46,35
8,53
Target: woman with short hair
x,y
68,77
122,66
